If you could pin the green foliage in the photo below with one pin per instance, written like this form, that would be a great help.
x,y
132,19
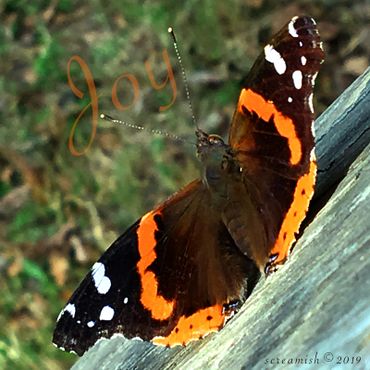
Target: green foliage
x,y
20,347
32,223
47,64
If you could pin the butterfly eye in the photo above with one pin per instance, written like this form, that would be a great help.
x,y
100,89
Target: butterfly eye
x,y
215,140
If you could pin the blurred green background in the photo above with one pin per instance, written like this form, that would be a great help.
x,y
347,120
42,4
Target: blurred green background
x,y
59,212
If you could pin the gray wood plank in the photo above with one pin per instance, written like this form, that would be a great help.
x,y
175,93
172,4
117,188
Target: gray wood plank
x,y
343,131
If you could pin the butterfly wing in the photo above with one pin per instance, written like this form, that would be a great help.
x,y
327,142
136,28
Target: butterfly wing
x,y
272,137
168,279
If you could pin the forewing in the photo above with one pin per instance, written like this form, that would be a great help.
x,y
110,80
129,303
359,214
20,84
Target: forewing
x,y
272,136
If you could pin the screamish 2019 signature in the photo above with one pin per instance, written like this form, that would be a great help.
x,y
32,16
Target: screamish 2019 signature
x,y
327,357
94,98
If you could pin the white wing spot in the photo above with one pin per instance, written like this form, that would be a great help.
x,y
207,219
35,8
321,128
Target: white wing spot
x,y
310,102
106,313
303,60
297,79
274,57
313,78
90,324
102,282
312,154
290,99
125,301
292,30
70,308
104,285
300,44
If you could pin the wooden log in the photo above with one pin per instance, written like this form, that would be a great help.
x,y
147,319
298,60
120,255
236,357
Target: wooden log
x,y
343,131
316,309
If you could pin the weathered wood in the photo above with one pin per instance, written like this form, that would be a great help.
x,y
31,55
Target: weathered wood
x,y
318,303
343,131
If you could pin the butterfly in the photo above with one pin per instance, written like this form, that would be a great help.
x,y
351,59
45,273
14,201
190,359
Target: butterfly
x,y
184,268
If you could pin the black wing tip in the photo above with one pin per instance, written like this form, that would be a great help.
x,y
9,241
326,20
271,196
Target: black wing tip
x,y
67,344
303,19
303,22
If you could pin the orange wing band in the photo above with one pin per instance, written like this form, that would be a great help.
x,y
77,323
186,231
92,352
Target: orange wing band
x,y
160,308
194,327
296,213
266,109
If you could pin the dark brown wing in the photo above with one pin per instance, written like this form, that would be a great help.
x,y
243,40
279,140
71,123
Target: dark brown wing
x,y
166,279
199,266
273,138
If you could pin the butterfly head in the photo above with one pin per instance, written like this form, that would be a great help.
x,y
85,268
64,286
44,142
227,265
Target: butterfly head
x,y
216,157
210,148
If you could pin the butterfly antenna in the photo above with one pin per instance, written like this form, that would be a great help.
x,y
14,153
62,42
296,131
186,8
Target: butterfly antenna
x,y
105,117
184,78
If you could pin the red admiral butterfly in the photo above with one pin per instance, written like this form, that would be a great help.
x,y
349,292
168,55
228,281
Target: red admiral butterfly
x,y
185,267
